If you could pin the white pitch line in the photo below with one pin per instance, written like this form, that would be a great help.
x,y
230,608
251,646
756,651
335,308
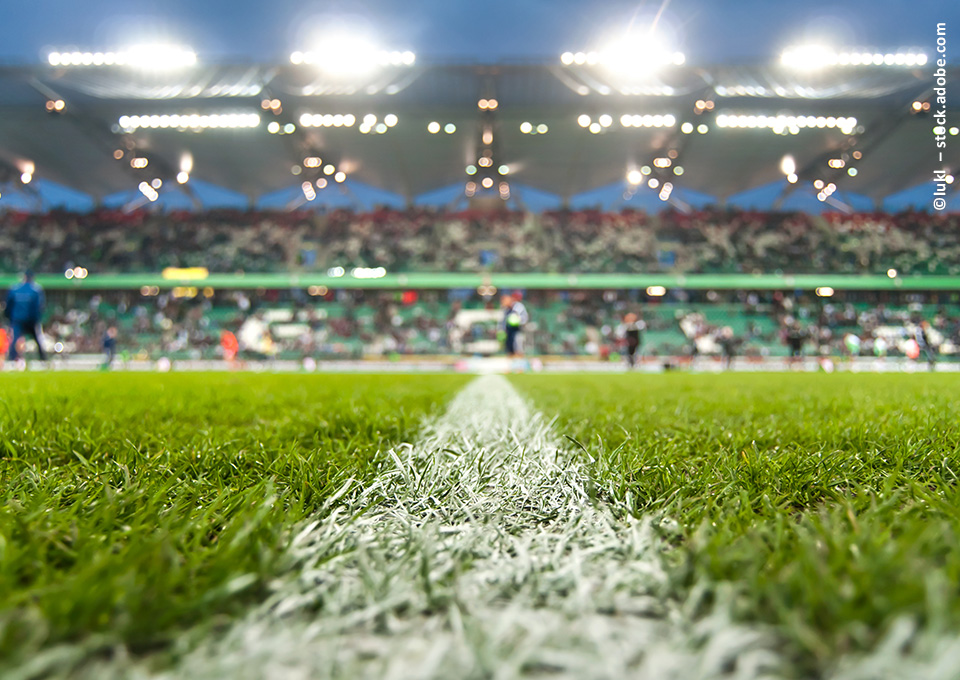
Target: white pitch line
x,y
477,553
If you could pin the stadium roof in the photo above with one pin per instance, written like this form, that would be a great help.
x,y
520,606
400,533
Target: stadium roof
x,y
75,147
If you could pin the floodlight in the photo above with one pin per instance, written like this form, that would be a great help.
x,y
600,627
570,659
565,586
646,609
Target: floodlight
x,y
639,56
345,55
809,57
788,165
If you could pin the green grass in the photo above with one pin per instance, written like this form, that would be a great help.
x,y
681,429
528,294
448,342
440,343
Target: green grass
x,y
828,505
134,505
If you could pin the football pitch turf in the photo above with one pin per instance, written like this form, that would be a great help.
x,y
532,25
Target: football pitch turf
x,y
741,525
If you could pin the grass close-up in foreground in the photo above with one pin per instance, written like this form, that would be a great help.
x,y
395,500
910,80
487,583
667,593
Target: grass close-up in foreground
x,y
819,509
826,506
133,505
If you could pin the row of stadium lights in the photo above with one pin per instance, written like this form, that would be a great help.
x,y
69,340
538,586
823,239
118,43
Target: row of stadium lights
x,y
369,123
161,56
605,120
817,56
792,124
382,57
193,121
617,58
144,56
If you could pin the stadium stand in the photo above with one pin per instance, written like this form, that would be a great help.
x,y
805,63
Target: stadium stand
x,y
706,241
356,324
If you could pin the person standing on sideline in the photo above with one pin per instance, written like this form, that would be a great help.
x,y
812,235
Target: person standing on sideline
x,y
515,316
795,338
728,346
25,305
631,332
109,347
925,343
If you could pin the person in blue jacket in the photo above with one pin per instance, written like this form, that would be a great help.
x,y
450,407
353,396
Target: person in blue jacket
x,y
25,305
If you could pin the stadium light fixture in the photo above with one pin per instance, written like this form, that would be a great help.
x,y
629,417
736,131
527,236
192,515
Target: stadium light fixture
x,y
783,123
815,57
633,56
327,120
788,165
344,55
648,121
148,57
148,191
192,121
308,191
648,90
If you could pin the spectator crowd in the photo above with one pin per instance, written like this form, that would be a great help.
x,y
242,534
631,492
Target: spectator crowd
x,y
421,239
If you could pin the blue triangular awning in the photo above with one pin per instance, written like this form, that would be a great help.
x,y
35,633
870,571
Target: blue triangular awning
x,y
175,198
536,200
44,195
804,199
442,196
215,196
349,194
12,197
764,196
609,195
801,198
921,197
623,195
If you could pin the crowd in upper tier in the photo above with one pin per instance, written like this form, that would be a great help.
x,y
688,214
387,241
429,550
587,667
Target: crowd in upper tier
x,y
421,239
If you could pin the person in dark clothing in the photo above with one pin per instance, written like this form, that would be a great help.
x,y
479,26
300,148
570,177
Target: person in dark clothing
x,y
728,346
109,347
25,305
795,339
631,332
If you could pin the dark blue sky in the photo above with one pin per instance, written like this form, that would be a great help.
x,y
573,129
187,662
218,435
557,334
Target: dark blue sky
x,y
486,30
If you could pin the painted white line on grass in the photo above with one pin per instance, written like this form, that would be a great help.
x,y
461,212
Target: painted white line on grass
x,y
476,553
